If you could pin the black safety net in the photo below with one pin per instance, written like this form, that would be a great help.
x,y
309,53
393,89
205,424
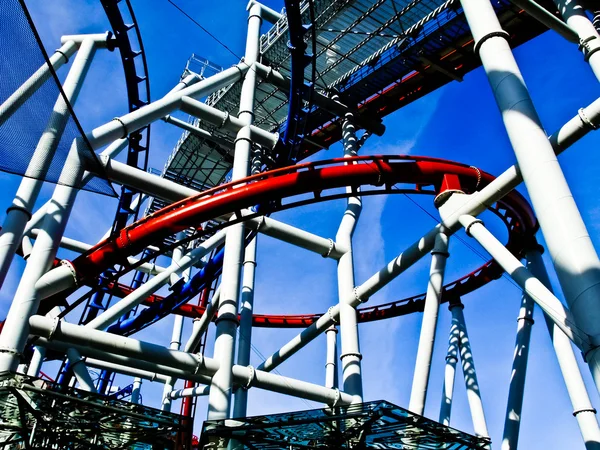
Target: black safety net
x,y
21,56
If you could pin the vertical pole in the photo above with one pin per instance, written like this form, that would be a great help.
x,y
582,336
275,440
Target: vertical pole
x,y
219,399
575,16
245,331
512,420
584,412
469,373
575,259
331,373
177,324
433,298
35,365
450,371
350,356
26,301
80,371
21,208
136,390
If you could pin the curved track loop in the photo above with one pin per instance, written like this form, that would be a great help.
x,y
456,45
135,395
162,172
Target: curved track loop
x,y
270,188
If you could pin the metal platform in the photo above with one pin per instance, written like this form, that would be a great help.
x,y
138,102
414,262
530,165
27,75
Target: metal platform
x,y
378,55
377,424
37,414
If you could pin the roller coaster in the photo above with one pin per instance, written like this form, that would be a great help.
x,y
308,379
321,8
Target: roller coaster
x,y
313,74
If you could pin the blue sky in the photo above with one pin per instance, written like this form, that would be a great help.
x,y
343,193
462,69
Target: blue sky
x,y
459,121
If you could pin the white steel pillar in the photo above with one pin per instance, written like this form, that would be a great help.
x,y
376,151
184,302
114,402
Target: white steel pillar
x,y
37,359
575,259
219,399
25,303
350,353
331,372
245,331
136,390
77,365
433,298
514,406
589,39
19,212
450,370
584,412
469,373
177,324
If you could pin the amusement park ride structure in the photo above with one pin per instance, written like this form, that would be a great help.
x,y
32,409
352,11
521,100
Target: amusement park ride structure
x,y
324,71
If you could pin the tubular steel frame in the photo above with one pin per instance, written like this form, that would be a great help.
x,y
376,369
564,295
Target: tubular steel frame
x,y
238,213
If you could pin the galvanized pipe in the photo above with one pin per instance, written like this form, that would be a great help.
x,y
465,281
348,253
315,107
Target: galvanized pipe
x,y
575,259
433,298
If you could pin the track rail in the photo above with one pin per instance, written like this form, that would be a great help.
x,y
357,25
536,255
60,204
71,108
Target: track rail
x,y
321,179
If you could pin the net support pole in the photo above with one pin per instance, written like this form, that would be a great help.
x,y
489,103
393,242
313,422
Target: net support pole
x,y
350,349
219,398
584,412
26,299
19,212
35,81
433,298
574,256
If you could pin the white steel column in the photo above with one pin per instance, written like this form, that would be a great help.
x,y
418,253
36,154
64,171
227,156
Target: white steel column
x,y
26,300
350,349
450,370
469,373
135,391
575,259
177,323
433,298
583,410
37,359
245,330
219,399
331,372
77,365
21,208
589,40
514,405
